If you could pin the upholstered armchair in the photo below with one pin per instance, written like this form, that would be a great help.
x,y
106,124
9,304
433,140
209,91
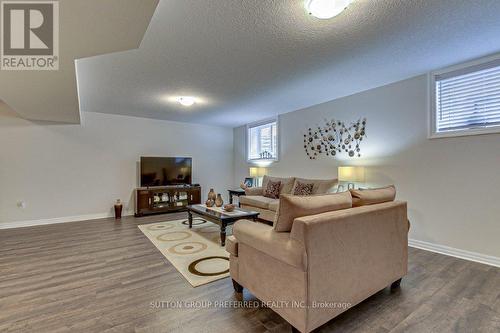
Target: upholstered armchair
x,y
325,264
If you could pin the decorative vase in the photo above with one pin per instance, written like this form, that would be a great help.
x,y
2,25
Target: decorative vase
x,y
209,203
218,201
212,195
118,209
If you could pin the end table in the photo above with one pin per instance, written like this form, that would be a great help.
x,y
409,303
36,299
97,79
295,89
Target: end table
x,y
237,192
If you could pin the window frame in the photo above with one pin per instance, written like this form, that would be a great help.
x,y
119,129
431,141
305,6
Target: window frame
x,y
247,143
432,121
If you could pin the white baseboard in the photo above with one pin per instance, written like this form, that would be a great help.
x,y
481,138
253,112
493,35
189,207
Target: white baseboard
x,y
453,252
65,219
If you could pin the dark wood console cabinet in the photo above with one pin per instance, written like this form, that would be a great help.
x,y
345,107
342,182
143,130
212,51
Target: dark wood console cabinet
x,y
164,199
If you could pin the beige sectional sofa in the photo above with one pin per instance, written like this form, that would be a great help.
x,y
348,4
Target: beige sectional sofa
x,y
326,261
255,200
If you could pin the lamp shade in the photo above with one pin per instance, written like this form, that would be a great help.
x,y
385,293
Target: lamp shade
x,y
351,174
258,172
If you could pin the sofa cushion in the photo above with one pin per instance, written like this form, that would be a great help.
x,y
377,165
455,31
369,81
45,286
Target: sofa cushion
x,y
302,188
256,201
254,191
272,189
286,183
320,186
292,207
263,238
373,196
264,214
273,206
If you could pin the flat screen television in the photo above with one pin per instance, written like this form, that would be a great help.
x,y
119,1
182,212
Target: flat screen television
x,y
162,171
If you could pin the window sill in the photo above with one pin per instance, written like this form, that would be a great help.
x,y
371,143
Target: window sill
x,y
265,162
470,132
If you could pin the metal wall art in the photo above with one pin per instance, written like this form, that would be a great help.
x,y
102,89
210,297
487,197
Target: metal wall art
x,y
335,138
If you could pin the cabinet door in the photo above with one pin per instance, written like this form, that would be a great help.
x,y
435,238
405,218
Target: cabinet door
x,y
143,200
194,196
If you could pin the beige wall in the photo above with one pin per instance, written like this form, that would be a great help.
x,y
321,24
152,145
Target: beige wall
x,y
74,170
452,185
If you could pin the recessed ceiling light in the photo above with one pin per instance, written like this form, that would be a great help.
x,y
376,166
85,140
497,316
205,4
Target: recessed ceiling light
x,y
325,9
186,100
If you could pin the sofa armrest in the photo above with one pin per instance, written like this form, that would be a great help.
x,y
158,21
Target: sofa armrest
x,y
232,245
254,191
278,245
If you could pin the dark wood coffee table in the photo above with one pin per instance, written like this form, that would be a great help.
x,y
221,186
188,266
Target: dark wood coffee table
x,y
223,219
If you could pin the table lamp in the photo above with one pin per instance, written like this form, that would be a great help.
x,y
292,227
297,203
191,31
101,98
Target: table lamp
x,y
258,173
351,175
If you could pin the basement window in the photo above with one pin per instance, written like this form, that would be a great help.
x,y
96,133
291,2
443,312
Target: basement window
x,y
466,100
262,141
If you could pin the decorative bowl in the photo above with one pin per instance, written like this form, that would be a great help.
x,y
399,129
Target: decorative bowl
x,y
229,207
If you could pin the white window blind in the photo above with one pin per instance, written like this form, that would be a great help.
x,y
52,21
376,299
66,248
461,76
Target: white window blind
x,y
263,141
468,99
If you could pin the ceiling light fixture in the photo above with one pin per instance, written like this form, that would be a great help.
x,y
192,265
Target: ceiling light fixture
x,y
186,100
325,9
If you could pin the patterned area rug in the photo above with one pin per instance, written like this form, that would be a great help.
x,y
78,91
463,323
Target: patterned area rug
x,y
196,253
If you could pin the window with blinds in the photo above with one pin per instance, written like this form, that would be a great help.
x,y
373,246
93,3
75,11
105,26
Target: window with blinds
x,y
467,100
262,141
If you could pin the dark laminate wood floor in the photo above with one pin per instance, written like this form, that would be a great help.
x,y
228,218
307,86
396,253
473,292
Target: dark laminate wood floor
x,y
102,275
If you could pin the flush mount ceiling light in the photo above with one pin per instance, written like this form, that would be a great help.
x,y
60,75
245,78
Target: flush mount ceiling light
x,y
325,9
186,100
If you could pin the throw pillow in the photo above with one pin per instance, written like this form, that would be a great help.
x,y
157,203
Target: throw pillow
x,y
373,196
286,183
303,189
292,207
320,186
272,190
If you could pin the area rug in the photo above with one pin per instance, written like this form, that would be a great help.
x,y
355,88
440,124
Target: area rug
x,y
196,253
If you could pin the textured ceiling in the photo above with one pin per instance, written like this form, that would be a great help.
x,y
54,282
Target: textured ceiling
x,y
86,28
251,59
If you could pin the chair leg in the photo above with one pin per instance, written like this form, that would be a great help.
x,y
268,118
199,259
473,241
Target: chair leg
x,y
237,287
238,290
396,284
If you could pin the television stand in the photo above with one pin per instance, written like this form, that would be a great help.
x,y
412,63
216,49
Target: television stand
x,y
165,199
